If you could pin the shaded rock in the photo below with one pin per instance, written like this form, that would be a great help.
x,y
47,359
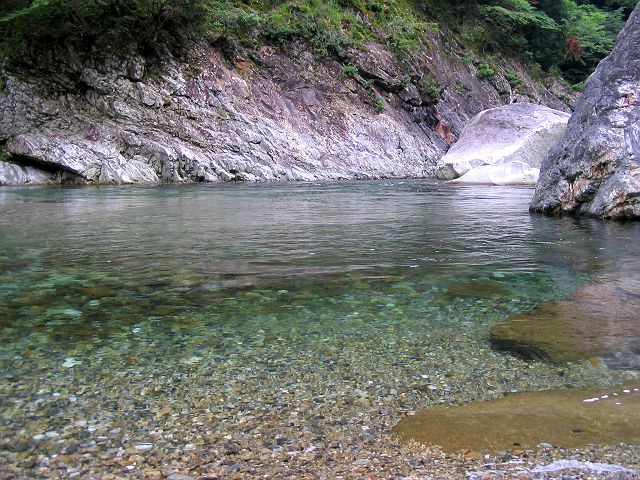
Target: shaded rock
x,y
601,319
595,169
11,174
562,418
506,143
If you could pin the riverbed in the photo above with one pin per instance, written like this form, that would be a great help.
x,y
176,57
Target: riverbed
x,y
276,330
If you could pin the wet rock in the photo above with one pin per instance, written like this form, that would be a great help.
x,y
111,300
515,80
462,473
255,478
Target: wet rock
x,y
599,320
507,144
562,418
477,289
595,169
179,476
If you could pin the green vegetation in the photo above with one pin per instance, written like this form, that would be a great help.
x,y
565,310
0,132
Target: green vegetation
x,y
349,70
570,36
514,78
329,26
428,86
485,71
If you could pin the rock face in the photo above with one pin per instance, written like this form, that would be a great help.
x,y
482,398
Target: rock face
x,y
595,169
503,145
263,115
522,421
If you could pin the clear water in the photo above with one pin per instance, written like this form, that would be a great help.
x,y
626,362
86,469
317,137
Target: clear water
x,y
330,301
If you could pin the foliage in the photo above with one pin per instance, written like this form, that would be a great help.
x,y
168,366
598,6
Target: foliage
x,y
485,71
514,78
325,25
570,35
349,70
152,23
428,86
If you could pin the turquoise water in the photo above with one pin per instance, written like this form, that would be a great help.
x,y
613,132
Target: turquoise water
x,y
340,305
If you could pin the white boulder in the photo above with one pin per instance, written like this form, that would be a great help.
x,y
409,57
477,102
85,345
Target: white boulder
x,y
512,173
506,145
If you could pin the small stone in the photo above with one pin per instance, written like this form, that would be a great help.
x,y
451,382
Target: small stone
x,y
20,446
152,474
232,468
144,446
70,449
70,362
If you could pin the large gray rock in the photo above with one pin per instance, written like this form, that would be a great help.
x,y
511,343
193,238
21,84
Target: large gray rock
x,y
503,145
595,169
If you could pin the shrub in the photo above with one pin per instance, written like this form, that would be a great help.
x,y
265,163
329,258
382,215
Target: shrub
x,y
349,70
578,87
151,24
485,71
469,59
428,86
514,78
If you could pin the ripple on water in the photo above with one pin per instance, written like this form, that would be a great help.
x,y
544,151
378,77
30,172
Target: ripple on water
x,y
195,319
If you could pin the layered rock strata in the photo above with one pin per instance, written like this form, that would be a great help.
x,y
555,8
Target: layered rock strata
x,y
595,169
117,117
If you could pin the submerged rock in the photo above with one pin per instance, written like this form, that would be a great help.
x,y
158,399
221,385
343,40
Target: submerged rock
x,y
601,319
503,145
477,289
595,169
560,418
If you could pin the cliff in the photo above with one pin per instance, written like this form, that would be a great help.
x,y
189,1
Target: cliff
x,y
257,115
594,169
264,114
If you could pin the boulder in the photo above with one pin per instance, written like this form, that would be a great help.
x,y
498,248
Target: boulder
x,y
600,319
503,145
594,170
512,173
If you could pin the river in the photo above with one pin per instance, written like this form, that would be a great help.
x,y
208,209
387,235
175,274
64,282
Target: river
x,y
228,325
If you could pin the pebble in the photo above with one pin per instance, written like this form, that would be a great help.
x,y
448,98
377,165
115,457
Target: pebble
x,y
144,446
70,362
267,390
